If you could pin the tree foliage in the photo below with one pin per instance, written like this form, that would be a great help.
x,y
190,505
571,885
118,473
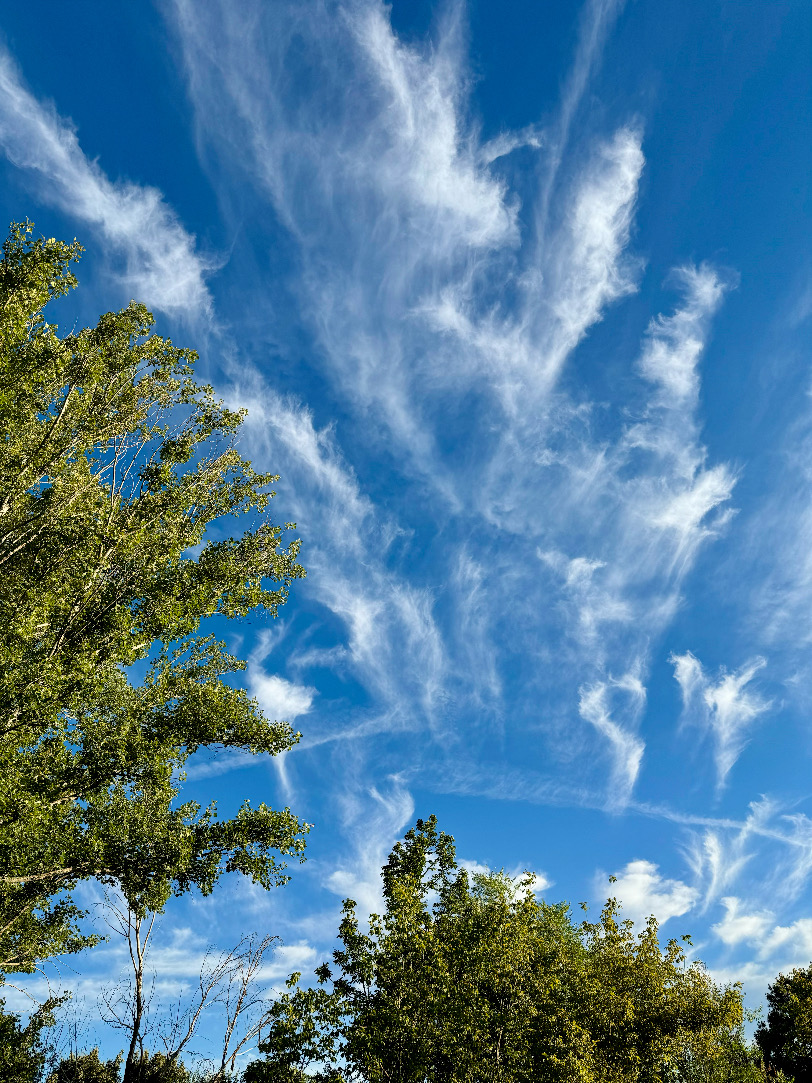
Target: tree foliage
x,y
23,1052
475,979
785,1038
114,463
86,1068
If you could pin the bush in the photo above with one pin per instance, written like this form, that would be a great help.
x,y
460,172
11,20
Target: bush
x,y
86,1068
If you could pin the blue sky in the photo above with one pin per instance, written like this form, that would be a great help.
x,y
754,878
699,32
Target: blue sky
x,y
519,299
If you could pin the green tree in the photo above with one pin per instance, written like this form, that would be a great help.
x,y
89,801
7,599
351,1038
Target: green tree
x,y
719,1055
23,1052
158,1068
785,1038
650,1016
86,1068
475,980
113,466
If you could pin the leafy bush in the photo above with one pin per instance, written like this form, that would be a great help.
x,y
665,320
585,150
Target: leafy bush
x,y
86,1068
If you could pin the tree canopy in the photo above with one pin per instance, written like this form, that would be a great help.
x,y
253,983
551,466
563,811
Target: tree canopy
x,y
785,1037
473,978
114,463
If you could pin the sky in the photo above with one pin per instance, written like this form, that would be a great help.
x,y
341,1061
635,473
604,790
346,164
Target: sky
x,y
519,300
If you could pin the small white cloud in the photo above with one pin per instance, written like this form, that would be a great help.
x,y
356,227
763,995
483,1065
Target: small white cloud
x,y
793,942
278,697
643,892
287,958
738,927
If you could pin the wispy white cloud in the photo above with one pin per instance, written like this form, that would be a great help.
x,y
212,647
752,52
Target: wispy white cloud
x,y
718,857
725,708
373,820
676,498
776,948
562,292
674,344
766,856
393,646
779,548
597,17
280,699
589,267
162,266
626,747
422,288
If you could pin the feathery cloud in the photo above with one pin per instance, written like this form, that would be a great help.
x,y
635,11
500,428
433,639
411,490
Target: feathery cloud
x,y
161,264
626,749
726,709
373,819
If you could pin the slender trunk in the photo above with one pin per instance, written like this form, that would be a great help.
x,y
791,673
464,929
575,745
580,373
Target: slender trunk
x,y
137,954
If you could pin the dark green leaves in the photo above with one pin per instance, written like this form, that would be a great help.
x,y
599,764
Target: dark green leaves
x,y
785,1039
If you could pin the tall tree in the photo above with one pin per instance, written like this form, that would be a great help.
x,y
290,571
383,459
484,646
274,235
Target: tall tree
x,y
229,982
114,463
785,1037
475,980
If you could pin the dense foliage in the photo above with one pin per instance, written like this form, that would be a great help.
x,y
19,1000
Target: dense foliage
x,y
86,1068
785,1037
23,1051
474,979
113,464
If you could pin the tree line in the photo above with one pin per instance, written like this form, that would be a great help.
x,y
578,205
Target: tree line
x,y
121,487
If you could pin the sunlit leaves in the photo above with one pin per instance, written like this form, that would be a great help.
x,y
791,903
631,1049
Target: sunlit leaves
x,y
114,464
467,979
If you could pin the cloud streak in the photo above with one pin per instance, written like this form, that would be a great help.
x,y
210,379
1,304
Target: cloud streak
x,y
726,709
162,266
424,284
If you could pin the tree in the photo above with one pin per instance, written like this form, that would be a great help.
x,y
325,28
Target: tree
x,y
720,1056
86,1068
22,1051
475,979
114,464
228,982
127,1005
785,1039
158,1068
